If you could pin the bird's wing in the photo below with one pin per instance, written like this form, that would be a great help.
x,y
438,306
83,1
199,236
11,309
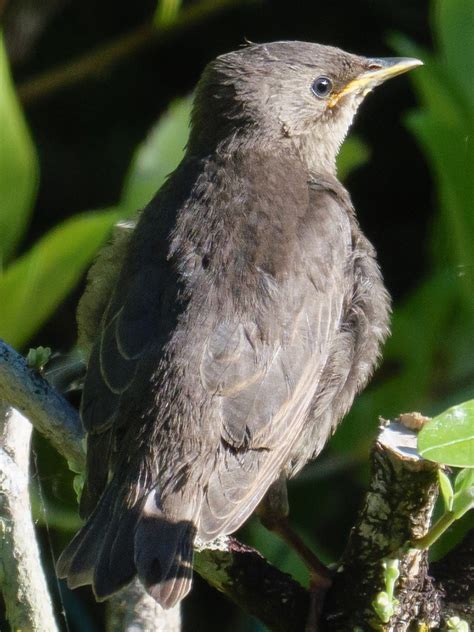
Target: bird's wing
x,y
135,321
265,377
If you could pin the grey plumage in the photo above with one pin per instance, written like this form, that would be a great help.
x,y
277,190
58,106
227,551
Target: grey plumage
x,y
247,313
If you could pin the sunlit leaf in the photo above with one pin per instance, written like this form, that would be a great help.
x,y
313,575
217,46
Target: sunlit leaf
x,y
18,165
464,492
36,283
446,488
157,156
449,437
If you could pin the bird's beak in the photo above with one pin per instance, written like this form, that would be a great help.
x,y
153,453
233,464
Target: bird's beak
x,y
378,70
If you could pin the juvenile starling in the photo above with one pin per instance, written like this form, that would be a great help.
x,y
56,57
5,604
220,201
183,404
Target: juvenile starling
x,y
248,312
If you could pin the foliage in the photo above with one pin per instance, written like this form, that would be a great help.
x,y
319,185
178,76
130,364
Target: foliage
x,y
38,357
385,602
449,437
18,165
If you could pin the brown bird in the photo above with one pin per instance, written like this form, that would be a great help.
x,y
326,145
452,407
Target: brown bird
x,y
248,312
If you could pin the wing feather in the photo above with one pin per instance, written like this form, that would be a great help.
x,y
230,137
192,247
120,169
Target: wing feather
x,y
264,386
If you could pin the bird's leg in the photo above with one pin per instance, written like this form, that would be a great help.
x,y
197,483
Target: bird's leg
x,y
273,512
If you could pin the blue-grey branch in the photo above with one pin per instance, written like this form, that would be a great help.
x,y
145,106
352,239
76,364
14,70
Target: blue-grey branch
x,y
26,391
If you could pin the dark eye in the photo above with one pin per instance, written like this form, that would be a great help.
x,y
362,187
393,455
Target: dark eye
x,y
321,87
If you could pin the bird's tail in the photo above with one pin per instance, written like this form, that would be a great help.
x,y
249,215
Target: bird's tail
x,y
118,542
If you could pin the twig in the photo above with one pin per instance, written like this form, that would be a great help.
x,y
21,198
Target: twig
x,y
22,581
101,58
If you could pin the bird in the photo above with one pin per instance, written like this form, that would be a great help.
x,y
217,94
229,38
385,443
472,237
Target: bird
x,y
230,330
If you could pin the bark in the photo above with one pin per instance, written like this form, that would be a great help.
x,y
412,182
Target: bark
x,y
397,510
133,610
22,581
252,583
53,417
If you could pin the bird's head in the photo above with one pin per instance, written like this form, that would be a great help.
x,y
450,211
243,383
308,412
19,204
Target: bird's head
x,y
296,93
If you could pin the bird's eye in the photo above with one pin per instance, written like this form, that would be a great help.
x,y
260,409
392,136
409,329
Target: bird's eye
x,y
321,87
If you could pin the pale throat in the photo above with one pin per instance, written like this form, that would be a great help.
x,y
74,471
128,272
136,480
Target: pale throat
x,y
319,146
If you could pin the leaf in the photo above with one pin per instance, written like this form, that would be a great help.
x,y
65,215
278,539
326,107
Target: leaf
x,y
446,490
454,22
353,154
464,492
35,284
18,165
449,437
157,156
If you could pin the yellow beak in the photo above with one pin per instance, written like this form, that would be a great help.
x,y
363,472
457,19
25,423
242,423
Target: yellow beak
x,y
379,70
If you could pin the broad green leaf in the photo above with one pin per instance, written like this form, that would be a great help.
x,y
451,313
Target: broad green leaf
x,y
446,488
157,156
464,492
353,154
35,284
18,165
449,437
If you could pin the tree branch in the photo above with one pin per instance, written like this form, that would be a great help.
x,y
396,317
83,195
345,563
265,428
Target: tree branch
x,y
259,588
26,391
397,510
22,581
133,610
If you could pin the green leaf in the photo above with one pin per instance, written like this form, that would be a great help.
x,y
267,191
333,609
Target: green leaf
x,y
18,165
449,437
38,358
157,156
446,490
454,22
35,284
464,492
353,154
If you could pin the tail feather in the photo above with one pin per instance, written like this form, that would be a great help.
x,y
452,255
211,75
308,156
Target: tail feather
x,y
115,566
177,584
119,542
77,561
164,554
